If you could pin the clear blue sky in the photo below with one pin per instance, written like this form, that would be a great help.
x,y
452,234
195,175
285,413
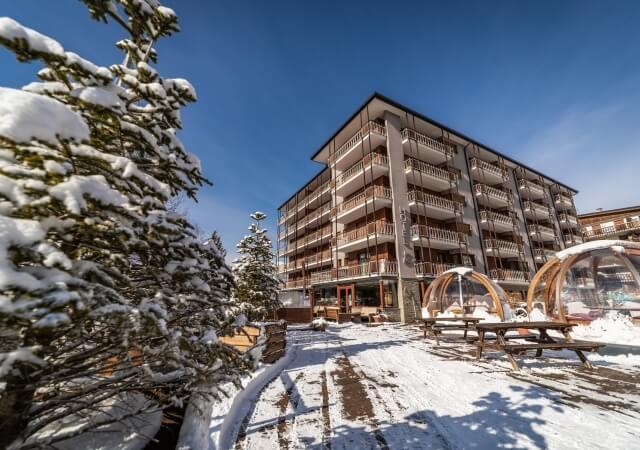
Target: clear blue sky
x,y
552,84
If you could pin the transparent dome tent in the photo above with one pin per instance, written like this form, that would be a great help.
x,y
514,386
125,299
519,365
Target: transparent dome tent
x,y
463,291
588,281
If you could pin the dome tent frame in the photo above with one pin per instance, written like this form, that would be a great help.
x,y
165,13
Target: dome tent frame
x,y
438,287
559,265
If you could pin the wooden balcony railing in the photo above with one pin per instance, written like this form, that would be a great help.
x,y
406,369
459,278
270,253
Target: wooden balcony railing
x,y
533,206
297,284
369,127
568,218
371,229
543,253
370,159
321,277
503,246
318,257
380,267
537,228
489,191
431,269
438,234
492,216
619,226
572,238
509,275
409,134
528,184
478,164
435,201
561,198
369,193
430,169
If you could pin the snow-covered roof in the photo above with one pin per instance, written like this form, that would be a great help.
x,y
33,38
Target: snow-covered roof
x,y
460,270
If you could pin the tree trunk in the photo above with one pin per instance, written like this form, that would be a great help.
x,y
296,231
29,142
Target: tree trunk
x,y
15,403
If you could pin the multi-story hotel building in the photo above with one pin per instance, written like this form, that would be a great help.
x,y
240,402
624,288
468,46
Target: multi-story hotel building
x,y
623,224
401,198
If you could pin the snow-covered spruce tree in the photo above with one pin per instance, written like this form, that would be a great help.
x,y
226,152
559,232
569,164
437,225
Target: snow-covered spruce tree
x,y
103,292
217,241
255,272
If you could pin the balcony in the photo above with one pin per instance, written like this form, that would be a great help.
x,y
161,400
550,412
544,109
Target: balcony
x,y
542,254
509,276
437,238
297,284
618,227
361,173
533,210
310,240
502,249
492,197
428,149
433,205
567,220
347,154
541,233
530,190
318,259
491,220
311,200
427,175
381,267
430,269
372,196
572,239
324,276
562,202
487,172
362,237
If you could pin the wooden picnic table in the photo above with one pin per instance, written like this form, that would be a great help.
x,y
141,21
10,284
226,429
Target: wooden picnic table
x,y
541,341
435,326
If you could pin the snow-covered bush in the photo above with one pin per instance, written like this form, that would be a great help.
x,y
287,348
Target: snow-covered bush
x,y
319,324
102,289
255,272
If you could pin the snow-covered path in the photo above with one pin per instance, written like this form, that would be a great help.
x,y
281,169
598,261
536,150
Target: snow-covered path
x,y
385,387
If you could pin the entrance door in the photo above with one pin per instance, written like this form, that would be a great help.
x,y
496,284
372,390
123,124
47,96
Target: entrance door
x,y
346,297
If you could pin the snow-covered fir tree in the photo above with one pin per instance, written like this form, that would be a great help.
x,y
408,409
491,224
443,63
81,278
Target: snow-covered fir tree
x,y
104,293
217,241
255,272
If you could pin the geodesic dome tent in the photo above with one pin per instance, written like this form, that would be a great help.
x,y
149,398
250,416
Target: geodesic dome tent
x,y
463,291
587,281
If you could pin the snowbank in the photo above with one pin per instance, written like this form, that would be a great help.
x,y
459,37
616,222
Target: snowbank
x,y
214,425
613,329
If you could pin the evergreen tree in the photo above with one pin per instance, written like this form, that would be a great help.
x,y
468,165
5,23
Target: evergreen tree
x,y
217,241
103,291
255,272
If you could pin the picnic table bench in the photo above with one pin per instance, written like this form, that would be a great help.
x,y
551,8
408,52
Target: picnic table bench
x,y
435,325
538,342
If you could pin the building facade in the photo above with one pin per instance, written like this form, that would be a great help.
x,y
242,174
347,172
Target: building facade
x,y
623,224
400,199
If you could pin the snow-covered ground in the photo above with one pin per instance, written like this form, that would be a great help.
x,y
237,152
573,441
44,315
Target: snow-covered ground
x,y
356,387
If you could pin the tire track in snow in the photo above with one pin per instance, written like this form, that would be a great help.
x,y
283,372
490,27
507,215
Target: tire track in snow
x,y
356,405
